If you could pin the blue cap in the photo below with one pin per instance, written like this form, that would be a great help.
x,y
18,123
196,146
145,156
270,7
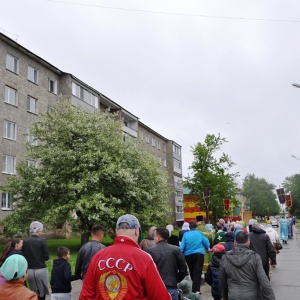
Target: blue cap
x,y
131,220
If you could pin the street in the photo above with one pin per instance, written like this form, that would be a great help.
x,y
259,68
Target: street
x,y
284,277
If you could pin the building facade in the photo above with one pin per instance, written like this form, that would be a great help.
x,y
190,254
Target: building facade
x,y
29,86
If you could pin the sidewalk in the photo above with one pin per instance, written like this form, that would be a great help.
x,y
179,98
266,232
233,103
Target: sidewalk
x,y
285,276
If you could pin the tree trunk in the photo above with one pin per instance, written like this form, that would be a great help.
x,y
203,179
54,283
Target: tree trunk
x,y
84,237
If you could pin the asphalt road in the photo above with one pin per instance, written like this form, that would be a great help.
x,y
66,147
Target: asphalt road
x,y
284,278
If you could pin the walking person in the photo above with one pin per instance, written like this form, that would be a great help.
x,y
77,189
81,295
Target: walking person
x,y
284,235
15,272
173,239
123,270
273,235
212,275
220,234
261,244
169,261
36,253
193,245
148,242
88,250
229,241
61,276
185,227
242,275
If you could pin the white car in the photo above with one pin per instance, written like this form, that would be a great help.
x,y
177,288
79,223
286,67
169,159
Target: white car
x,y
274,222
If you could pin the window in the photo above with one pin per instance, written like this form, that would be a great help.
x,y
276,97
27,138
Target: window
x,y
164,162
141,135
178,194
177,164
32,75
164,147
12,63
31,105
6,202
158,144
179,209
10,96
9,164
83,94
147,138
176,149
10,130
52,86
30,139
31,163
153,142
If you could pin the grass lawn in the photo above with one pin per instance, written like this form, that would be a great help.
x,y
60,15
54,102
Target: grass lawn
x,y
73,244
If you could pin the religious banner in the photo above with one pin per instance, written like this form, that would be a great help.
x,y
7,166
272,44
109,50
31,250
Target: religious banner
x,y
288,200
226,204
281,196
206,196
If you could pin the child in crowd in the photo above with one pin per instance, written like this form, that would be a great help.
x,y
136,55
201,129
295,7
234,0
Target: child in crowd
x,y
61,276
212,275
185,290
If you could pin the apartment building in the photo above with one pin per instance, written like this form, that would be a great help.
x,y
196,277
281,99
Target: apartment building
x,y
29,86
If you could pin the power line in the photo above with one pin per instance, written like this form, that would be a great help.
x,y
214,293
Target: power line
x,y
176,14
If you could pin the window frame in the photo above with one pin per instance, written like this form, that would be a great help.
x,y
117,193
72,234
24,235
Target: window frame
x,y
12,63
85,95
10,130
6,164
7,98
8,201
33,75
29,98
31,163
54,91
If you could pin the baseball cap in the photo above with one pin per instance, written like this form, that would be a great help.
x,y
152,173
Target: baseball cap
x,y
217,248
131,220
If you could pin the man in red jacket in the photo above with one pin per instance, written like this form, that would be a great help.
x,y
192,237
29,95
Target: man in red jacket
x,y
123,271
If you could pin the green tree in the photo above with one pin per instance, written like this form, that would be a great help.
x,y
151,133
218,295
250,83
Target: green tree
x,y
87,174
260,196
211,173
291,185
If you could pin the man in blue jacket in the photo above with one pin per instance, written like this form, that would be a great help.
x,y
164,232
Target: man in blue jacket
x,y
193,245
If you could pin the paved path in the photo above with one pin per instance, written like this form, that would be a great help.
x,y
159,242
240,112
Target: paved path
x,y
284,278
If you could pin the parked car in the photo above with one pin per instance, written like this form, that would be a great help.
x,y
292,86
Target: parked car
x,y
274,222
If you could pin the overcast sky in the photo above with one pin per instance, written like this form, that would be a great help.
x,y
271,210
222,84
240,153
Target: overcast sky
x,y
185,68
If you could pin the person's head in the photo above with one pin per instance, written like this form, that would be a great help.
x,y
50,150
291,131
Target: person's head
x,y
193,224
160,234
63,252
97,233
170,228
151,231
221,221
241,238
219,226
36,228
14,268
17,244
218,248
128,225
185,226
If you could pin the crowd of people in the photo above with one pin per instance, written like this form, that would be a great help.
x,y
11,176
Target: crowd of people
x,y
152,268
